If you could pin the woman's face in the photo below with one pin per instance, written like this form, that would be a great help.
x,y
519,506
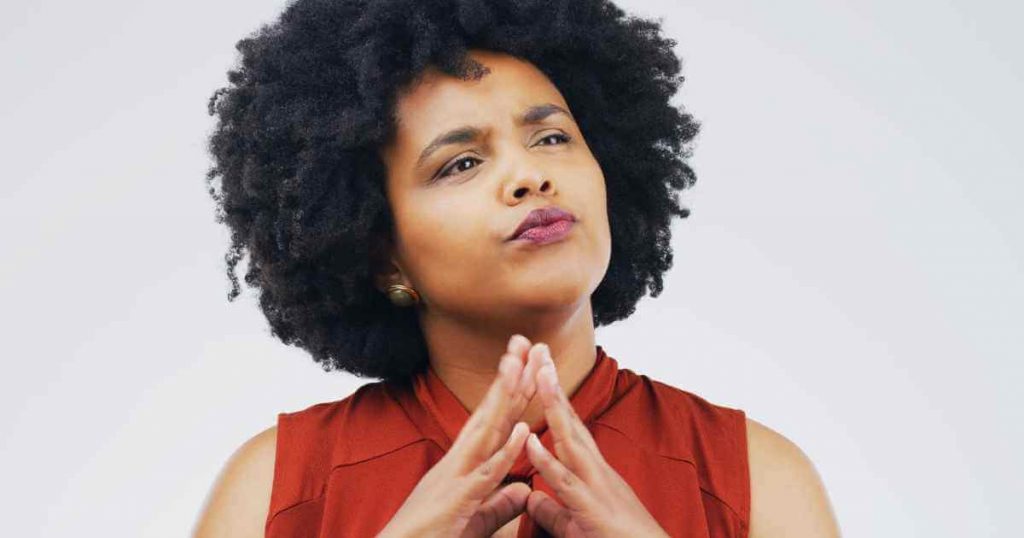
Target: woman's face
x,y
456,200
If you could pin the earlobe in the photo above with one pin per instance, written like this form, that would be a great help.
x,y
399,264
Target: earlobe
x,y
392,282
385,269
387,275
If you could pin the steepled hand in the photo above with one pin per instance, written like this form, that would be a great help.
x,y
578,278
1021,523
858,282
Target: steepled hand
x,y
596,501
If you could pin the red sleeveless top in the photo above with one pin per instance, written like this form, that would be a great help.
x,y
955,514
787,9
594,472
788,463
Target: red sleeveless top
x,y
343,468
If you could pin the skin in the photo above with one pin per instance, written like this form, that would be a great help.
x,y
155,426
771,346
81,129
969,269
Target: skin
x,y
498,288
468,309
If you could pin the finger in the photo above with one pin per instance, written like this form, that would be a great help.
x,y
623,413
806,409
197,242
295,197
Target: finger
x,y
548,513
522,348
570,444
500,507
567,485
519,346
578,427
492,420
486,476
534,361
525,386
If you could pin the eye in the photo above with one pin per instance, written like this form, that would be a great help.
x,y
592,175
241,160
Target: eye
x,y
557,136
455,167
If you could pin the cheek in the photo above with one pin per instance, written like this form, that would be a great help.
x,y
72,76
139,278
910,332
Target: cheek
x,y
445,242
598,208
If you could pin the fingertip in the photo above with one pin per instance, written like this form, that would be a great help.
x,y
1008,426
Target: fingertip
x,y
535,443
536,352
518,492
515,364
517,438
518,341
534,500
548,370
529,372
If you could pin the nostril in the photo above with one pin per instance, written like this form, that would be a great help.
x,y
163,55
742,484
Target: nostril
x,y
520,192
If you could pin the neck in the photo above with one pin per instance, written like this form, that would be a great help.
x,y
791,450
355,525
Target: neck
x,y
466,357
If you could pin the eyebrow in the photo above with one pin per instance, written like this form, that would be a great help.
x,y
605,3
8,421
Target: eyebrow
x,y
533,115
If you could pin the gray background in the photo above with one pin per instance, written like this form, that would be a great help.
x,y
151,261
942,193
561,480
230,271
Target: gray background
x,y
851,274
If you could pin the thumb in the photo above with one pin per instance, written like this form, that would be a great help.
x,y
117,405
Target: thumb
x,y
548,513
500,507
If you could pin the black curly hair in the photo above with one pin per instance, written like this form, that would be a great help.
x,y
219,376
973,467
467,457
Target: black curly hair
x,y
312,99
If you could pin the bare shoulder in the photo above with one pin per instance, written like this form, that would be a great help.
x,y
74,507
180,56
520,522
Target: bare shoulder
x,y
238,502
788,497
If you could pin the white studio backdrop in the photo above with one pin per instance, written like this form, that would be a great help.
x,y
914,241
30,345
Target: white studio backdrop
x,y
851,274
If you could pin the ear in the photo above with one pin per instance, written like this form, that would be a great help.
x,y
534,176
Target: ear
x,y
384,266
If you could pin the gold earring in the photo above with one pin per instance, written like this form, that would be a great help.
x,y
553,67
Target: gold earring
x,y
401,295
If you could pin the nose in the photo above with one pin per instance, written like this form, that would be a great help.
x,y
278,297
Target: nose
x,y
517,190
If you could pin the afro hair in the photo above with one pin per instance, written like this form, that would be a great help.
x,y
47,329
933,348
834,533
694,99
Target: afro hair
x,y
311,99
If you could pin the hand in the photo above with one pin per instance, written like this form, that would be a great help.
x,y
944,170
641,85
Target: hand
x,y
598,502
457,496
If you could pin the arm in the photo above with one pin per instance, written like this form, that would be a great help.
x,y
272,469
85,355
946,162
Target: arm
x,y
788,498
239,500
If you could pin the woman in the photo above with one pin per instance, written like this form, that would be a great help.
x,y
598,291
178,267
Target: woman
x,y
451,196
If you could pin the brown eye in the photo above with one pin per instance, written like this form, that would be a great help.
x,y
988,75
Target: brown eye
x,y
455,167
558,136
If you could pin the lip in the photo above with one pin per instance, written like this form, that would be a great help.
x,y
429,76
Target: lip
x,y
551,223
542,235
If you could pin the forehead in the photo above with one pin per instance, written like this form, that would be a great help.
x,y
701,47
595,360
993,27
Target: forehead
x,y
437,102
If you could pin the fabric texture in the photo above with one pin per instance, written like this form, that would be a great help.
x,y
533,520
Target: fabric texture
x,y
343,468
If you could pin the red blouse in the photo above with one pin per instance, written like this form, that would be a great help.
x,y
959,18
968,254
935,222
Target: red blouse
x,y
343,468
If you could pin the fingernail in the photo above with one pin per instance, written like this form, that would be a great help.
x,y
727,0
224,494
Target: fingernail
x,y
550,377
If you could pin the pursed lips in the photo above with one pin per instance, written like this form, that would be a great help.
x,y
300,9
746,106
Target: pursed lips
x,y
542,217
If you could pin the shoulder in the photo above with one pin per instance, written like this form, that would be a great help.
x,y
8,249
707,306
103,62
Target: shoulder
x,y
685,426
788,497
690,424
642,395
239,500
282,464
